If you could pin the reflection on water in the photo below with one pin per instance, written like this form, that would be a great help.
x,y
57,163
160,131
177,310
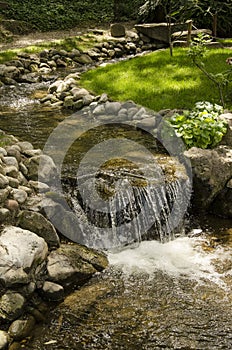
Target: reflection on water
x,y
175,295
156,296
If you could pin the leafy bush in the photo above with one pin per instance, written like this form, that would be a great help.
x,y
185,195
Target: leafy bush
x,y
61,14
200,127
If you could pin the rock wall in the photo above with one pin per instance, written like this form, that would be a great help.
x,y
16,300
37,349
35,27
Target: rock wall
x,y
35,266
32,68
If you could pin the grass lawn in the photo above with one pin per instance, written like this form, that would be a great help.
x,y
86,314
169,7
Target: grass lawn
x,y
159,81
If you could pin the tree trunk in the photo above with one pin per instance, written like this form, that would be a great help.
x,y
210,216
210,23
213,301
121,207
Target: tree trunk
x,y
215,25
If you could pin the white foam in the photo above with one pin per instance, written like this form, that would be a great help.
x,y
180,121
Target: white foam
x,y
183,257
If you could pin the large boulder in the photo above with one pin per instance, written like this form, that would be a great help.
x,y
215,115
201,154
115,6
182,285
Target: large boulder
x,y
22,253
212,169
117,30
37,223
74,264
159,31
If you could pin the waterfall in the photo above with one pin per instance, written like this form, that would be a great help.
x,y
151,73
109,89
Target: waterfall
x,y
127,208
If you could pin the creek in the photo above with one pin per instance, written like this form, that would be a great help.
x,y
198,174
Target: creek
x,y
170,295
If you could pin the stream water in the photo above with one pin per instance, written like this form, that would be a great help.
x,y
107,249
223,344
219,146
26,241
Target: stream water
x,y
171,295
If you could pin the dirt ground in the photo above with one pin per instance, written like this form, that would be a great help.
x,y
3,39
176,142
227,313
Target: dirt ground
x,y
34,38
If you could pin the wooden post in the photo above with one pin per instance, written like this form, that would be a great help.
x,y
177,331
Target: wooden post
x,y
189,23
215,25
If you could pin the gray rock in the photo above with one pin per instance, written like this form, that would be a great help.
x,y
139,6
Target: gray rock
x,y
132,111
13,182
23,168
103,98
11,171
159,31
14,151
83,59
69,265
4,181
87,99
4,214
19,195
38,186
139,115
52,291
26,189
100,109
46,167
4,340
25,145
3,151
20,329
113,107
21,178
61,63
4,194
79,93
117,30
54,86
147,123
212,169
21,252
37,223
68,101
30,78
78,104
11,306
32,152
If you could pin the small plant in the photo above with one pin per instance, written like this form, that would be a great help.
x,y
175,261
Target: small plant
x,y
197,52
200,127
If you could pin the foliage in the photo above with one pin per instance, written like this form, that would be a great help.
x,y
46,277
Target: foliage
x,y
197,52
200,127
159,81
174,9
49,15
212,14
62,14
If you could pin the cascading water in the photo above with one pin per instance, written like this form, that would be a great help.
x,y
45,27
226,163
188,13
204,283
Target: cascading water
x,y
171,295
127,206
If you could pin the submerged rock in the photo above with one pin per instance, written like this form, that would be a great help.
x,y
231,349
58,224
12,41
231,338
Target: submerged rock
x,y
52,291
4,339
11,306
20,329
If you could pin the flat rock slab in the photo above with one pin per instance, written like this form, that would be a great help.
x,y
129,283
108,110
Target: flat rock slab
x,y
159,31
